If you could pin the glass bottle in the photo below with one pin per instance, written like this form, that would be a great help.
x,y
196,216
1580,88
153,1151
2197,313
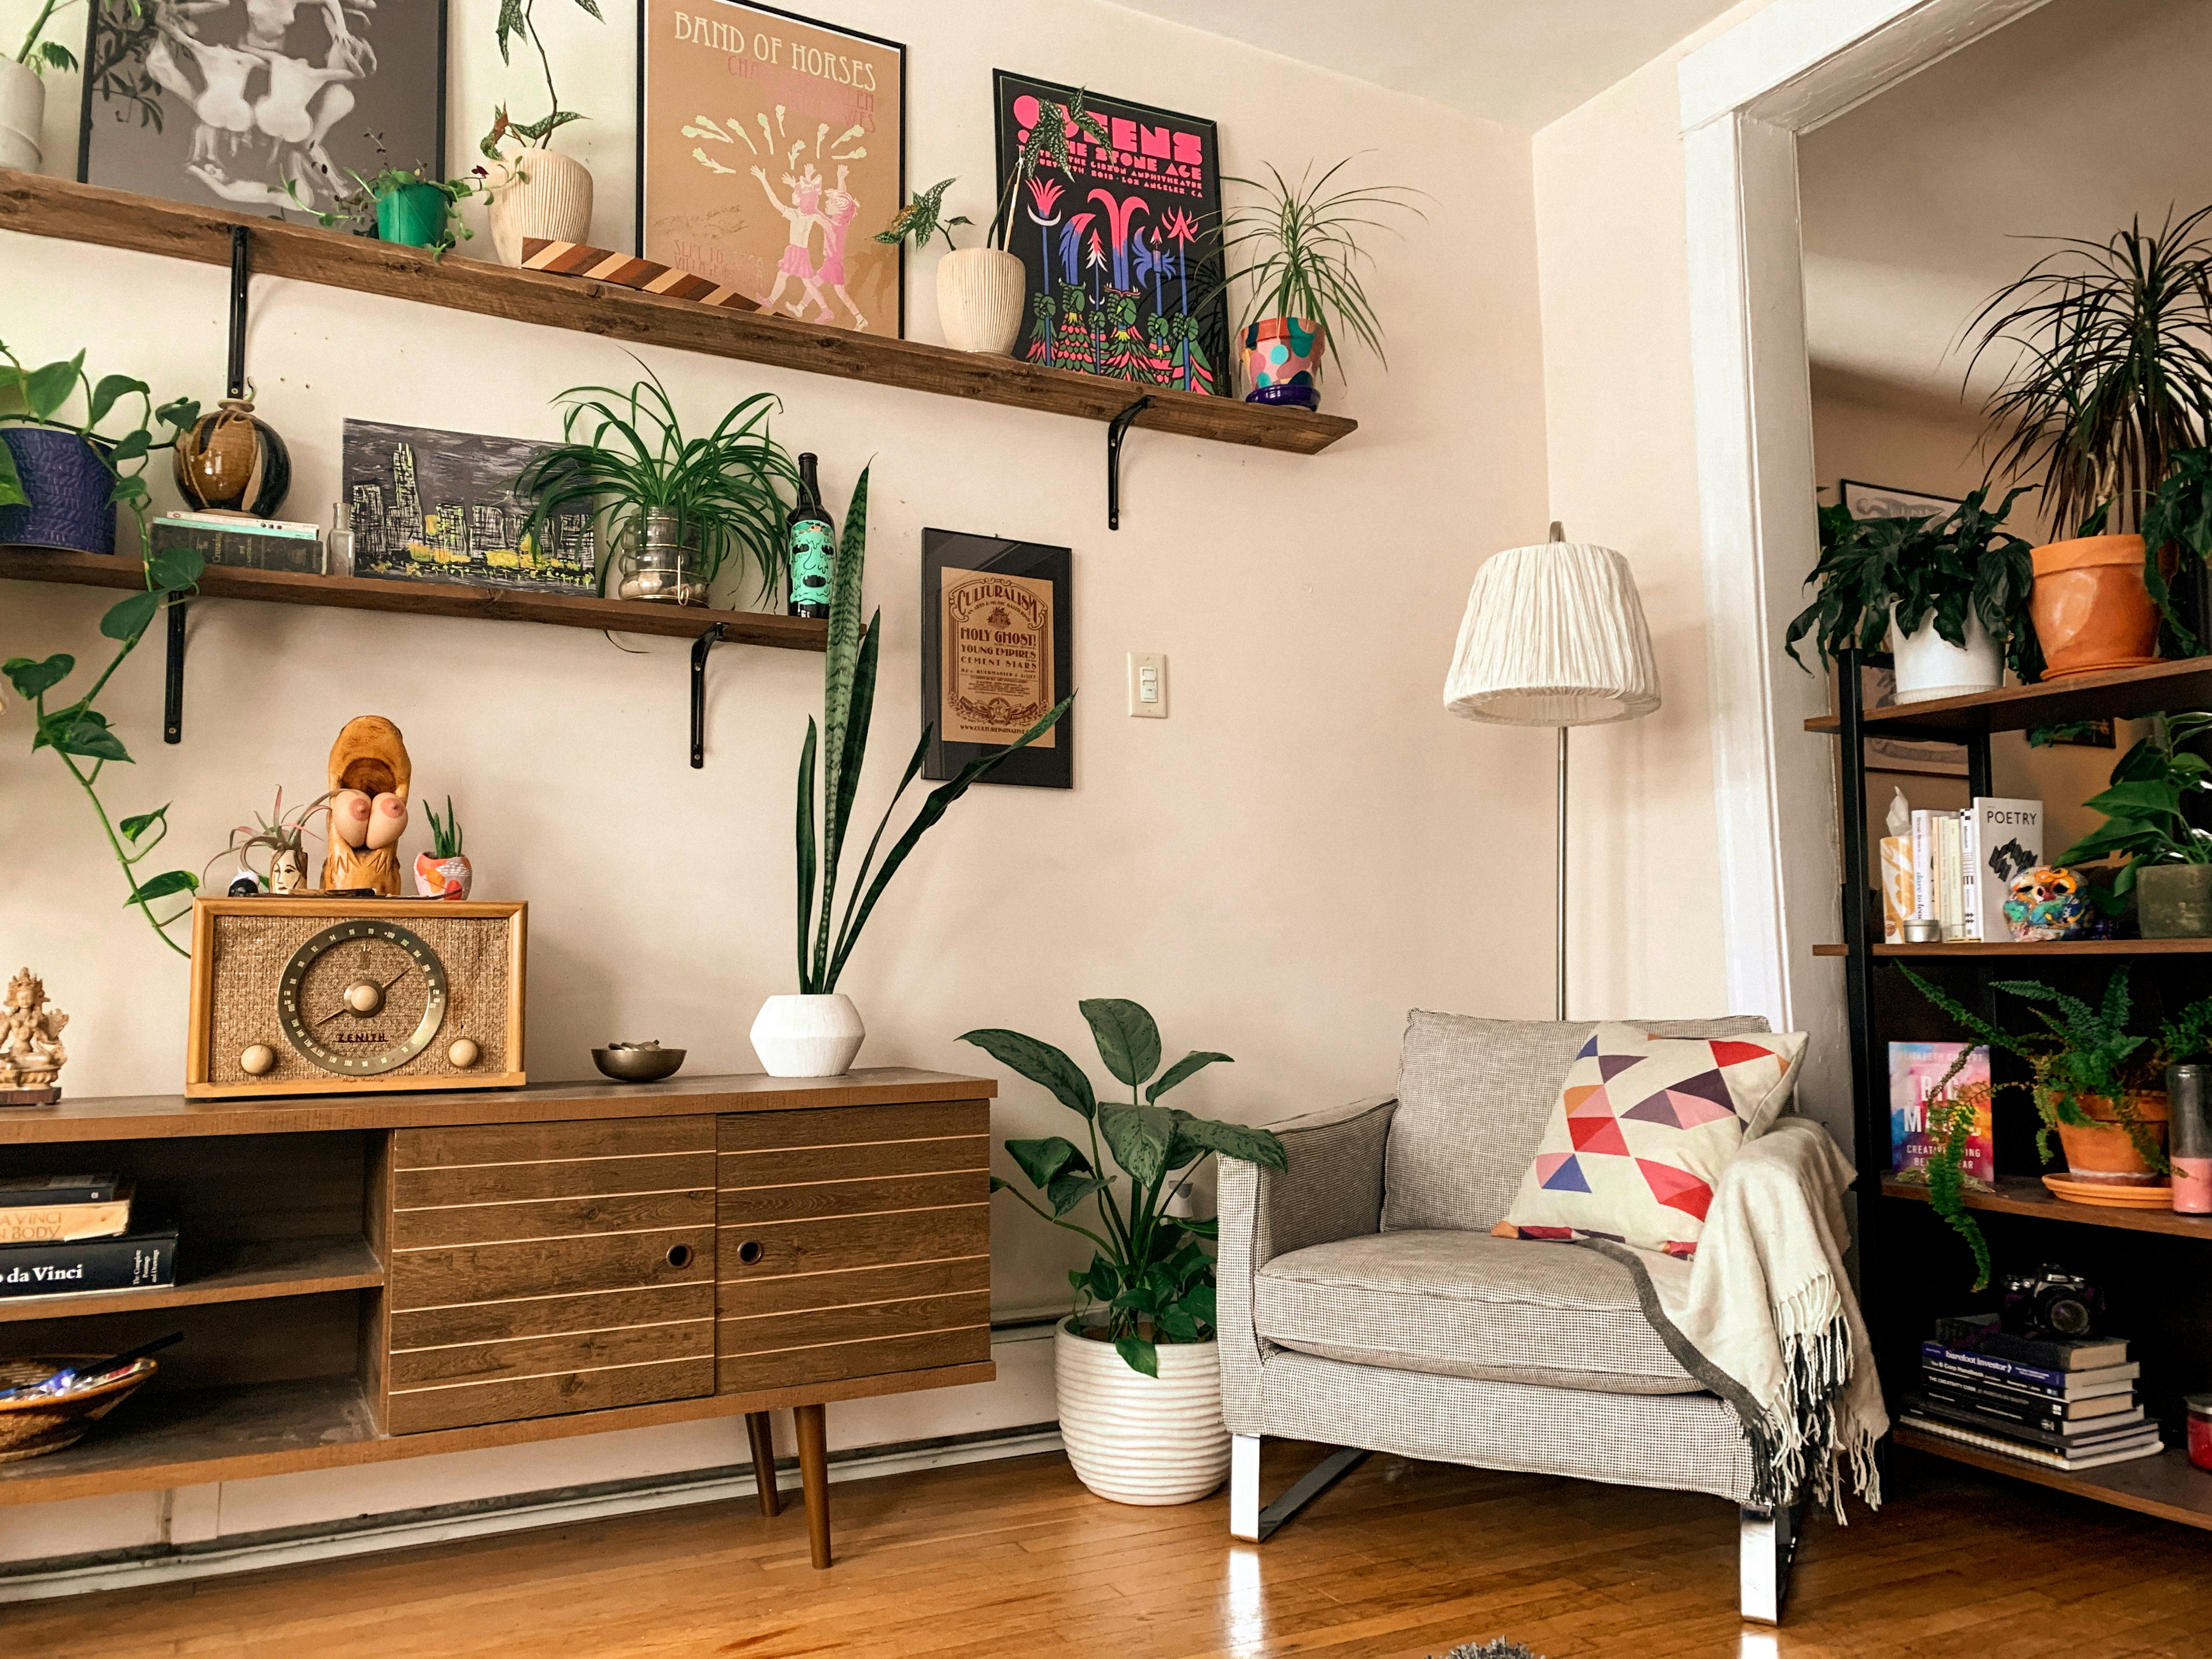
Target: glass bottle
x,y
811,541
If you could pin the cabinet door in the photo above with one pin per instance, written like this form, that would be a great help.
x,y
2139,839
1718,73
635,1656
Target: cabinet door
x,y
542,1269
853,1240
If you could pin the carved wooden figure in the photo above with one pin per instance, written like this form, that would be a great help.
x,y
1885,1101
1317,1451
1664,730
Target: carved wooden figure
x,y
30,1052
370,775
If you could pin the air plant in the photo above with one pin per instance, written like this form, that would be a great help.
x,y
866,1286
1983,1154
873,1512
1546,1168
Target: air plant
x,y
623,454
1045,146
920,219
39,56
1302,254
281,834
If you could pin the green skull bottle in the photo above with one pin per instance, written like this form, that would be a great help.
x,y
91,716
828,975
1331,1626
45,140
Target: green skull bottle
x,y
811,540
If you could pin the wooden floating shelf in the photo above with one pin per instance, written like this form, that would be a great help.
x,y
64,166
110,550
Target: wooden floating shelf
x,y
2025,1196
2168,1485
40,206
2070,947
430,599
2125,694
252,1272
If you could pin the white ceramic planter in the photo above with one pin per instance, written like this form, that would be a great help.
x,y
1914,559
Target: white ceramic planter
x,y
551,199
979,298
1930,666
808,1036
22,114
1139,1439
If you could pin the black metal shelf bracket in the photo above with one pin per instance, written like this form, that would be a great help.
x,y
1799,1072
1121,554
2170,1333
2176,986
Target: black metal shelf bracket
x,y
173,679
699,647
1116,429
242,273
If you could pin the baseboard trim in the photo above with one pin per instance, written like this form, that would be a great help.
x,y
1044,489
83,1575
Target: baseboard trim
x,y
42,1580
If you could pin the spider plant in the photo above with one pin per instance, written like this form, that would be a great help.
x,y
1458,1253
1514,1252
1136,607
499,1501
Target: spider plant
x,y
922,218
1045,146
623,454
2113,372
1301,254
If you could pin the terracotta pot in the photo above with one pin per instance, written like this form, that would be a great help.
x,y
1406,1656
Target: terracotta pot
x,y
22,114
538,192
2091,610
2108,1156
980,294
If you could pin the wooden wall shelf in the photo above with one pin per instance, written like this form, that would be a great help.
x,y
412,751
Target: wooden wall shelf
x,y
2070,947
39,206
2168,1485
2125,694
2025,1196
430,599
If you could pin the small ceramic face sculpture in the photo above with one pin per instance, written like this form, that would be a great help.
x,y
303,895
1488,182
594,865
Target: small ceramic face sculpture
x,y
2047,903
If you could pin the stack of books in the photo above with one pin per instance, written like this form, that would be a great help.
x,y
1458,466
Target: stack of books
x,y
65,1234
1961,867
2065,1404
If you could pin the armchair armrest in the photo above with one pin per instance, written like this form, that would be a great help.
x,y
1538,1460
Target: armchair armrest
x,y
1333,1190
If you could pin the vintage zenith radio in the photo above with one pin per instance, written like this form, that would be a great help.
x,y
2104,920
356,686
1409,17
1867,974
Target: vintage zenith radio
x,y
302,996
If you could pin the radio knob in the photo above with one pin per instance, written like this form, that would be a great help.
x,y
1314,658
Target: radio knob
x,y
364,997
464,1054
258,1060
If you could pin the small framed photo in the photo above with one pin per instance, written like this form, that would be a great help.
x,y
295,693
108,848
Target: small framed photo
x,y
997,651
1866,501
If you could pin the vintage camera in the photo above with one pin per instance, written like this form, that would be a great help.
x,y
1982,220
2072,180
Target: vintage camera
x,y
2049,1302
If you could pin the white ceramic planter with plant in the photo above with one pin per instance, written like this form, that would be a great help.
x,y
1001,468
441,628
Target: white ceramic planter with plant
x,y
1929,667
815,1031
23,93
531,189
1137,1367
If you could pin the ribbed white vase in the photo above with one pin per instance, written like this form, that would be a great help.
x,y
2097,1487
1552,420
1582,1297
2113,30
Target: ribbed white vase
x,y
1139,1439
808,1036
979,291
538,192
1929,667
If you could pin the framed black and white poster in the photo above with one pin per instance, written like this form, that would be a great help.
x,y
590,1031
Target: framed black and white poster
x,y
1866,501
261,104
997,652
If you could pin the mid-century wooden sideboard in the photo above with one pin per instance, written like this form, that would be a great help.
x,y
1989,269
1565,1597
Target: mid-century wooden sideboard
x,y
373,1277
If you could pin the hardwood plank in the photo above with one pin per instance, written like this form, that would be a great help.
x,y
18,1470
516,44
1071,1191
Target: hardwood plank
x,y
802,1292
800,1367
863,1241
848,1126
144,1117
495,1143
554,1218
573,1178
812,1200
466,1405
550,1316
860,1322
781,1165
2024,1196
251,1272
491,1273
51,207
526,1357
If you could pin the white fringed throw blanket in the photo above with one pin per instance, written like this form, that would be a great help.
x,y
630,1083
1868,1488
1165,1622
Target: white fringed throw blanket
x,y
1764,1316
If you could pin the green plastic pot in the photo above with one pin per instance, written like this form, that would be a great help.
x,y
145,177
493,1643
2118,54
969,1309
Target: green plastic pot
x,y
413,215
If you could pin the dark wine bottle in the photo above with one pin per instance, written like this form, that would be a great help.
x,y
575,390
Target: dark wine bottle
x,y
811,540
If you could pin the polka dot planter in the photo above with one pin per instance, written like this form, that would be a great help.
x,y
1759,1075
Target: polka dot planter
x,y
1282,356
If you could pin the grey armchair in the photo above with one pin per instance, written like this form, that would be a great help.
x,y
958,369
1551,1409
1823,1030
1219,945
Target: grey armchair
x,y
1364,1303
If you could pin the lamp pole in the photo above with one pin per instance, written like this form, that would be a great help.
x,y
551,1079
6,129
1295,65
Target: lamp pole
x,y
1559,999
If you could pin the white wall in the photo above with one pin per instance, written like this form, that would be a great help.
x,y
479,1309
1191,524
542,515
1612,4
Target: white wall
x,y
1306,849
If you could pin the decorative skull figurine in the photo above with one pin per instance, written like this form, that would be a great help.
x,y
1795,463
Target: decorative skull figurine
x,y
2048,902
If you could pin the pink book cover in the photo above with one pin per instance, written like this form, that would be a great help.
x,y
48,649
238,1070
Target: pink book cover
x,y
1915,1071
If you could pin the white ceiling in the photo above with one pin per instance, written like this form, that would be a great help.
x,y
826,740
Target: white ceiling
x,y
1524,62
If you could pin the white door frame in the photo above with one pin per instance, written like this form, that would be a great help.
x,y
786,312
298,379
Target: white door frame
x,y
1746,96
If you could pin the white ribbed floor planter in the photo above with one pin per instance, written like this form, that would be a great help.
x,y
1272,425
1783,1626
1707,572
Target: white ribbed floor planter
x,y
1139,1439
552,199
808,1036
22,114
1930,666
980,293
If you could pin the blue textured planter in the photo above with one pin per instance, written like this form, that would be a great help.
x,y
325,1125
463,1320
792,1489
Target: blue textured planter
x,y
69,488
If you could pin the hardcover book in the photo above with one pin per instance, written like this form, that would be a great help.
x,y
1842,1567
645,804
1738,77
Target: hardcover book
x,y
1983,1333
135,1262
25,1223
56,1189
2079,1437
1990,1395
2076,1385
2048,1377
2049,1459
1916,1070
2052,1417
2001,838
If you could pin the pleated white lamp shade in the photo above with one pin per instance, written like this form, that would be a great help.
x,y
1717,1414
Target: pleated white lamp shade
x,y
1554,635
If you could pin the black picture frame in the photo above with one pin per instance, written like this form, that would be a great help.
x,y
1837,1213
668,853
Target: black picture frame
x,y
642,178
1041,768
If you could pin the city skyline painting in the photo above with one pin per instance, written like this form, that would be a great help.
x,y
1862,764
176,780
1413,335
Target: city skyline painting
x,y
431,505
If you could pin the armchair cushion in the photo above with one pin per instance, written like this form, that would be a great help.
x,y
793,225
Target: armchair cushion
x,y
1474,1097
1460,1303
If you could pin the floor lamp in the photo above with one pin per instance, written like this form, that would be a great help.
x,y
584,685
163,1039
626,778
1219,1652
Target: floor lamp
x,y
1554,635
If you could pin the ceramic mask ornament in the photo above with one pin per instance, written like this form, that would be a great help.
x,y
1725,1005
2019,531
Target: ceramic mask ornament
x,y
2048,903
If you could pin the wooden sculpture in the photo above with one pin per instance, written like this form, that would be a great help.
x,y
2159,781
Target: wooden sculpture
x,y
370,775
30,1052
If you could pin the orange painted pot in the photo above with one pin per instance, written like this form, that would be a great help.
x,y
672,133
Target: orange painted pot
x,y
2091,610
2104,1154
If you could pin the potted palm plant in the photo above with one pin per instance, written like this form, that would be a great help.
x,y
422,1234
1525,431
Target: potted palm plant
x,y
815,1031
1136,1365
23,90
2169,866
672,511
536,192
1948,596
1297,251
2111,377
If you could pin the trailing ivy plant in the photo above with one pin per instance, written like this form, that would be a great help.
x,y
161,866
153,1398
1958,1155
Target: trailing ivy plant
x,y
78,731
1150,1270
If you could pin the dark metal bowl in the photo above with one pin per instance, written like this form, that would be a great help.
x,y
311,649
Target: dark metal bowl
x,y
638,1062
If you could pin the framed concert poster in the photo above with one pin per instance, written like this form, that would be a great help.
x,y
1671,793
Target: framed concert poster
x,y
1118,253
997,651
770,150
266,106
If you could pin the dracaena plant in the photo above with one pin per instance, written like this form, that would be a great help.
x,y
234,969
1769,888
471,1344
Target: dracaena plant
x,y
848,699
78,733
1150,1271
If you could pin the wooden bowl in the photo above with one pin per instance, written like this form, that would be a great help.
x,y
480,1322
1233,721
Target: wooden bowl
x,y
46,1423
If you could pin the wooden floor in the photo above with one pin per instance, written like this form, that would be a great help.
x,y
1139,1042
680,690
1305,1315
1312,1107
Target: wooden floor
x,y
1401,1559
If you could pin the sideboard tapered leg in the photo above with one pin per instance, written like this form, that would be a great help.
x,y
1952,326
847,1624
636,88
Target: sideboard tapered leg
x,y
814,1476
759,1426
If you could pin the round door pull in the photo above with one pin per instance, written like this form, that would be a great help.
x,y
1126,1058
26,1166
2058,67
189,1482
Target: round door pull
x,y
751,1252
679,1255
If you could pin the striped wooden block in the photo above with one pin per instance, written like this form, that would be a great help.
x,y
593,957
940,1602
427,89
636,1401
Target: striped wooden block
x,y
625,271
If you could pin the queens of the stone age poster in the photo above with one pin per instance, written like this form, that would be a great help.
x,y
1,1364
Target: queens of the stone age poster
x,y
1119,253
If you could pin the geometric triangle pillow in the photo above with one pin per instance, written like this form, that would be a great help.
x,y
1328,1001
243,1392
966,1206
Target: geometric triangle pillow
x,y
1642,1130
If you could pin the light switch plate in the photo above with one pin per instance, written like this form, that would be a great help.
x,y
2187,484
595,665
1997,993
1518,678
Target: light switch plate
x,y
1148,686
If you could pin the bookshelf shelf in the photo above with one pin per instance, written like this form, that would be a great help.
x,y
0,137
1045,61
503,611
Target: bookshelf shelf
x,y
2125,694
2072,947
2025,1196
251,1272
2168,1485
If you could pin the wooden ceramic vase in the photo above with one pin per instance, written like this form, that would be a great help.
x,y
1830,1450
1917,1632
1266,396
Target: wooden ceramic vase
x,y
2091,610
980,294
370,775
232,461
538,192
